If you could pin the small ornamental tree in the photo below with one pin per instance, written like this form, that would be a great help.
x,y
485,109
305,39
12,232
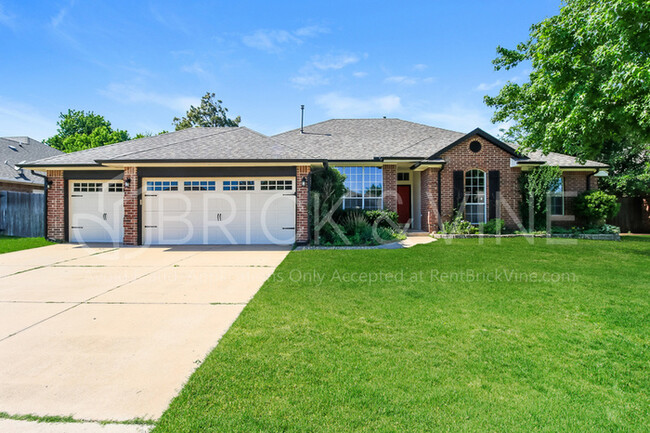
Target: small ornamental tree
x,y
596,206
327,189
534,186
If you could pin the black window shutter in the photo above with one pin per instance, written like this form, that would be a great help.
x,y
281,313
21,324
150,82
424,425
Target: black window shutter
x,y
494,183
459,188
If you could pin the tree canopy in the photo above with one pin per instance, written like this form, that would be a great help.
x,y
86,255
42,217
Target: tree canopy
x,y
79,130
588,93
209,113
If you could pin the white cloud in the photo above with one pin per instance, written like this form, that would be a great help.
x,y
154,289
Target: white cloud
x,y
337,105
132,94
409,81
460,118
309,79
360,74
333,61
18,119
311,31
401,80
269,40
196,69
484,87
7,19
420,67
312,73
57,19
274,41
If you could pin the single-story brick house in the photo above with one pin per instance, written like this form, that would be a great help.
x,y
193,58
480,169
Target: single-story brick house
x,y
13,151
234,185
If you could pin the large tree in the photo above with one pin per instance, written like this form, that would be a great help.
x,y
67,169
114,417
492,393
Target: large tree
x,y
209,113
588,93
79,130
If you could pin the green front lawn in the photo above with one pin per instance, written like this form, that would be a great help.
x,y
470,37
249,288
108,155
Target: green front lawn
x,y
509,337
9,244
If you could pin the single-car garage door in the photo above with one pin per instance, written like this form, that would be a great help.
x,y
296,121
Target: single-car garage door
x,y
218,211
96,211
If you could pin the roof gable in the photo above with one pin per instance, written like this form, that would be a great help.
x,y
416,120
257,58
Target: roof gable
x,y
479,132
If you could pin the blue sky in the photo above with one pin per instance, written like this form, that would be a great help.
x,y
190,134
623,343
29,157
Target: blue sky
x,y
141,63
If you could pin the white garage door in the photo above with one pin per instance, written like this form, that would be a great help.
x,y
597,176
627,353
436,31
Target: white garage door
x,y
219,211
96,211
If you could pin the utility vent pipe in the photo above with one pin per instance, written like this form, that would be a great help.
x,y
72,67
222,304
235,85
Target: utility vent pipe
x,y
302,119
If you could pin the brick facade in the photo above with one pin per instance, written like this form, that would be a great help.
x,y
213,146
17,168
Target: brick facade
x,y
390,187
131,193
56,206
302,203
490,157
575,182
429,199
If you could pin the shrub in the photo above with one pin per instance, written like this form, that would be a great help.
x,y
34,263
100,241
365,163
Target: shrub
x,y
596,206
355,222
534,186
458,226
327,188
385,217
492,227
610,229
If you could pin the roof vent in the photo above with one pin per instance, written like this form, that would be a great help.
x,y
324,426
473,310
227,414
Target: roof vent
x,y
302,119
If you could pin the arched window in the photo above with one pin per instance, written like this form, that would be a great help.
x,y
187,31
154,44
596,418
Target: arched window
x,y
475,209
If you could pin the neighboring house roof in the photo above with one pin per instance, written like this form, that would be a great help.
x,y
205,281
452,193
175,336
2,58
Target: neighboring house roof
x,y
16,150
332,140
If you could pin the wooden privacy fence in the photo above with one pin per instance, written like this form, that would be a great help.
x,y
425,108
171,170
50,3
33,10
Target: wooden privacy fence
x,y
22,214
634,215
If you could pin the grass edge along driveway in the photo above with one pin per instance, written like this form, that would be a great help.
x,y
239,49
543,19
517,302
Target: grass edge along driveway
x,y
9,244
448,353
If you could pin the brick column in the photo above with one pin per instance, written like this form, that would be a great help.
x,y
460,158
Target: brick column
x,y
56,206
429,199
131,221
302,203
390,187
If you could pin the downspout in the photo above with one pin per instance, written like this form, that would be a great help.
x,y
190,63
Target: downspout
x,y
309,231
440,196
45,188
588,177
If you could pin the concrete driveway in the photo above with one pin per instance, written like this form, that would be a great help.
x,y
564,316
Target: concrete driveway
x,y
113,334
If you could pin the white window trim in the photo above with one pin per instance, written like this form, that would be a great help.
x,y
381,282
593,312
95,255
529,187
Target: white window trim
x,y
561,191
363,188
484,204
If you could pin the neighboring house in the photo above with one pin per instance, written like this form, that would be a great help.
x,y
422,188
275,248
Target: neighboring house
x,y
234,185
15,150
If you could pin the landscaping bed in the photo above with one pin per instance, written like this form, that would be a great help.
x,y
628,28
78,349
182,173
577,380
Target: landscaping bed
x,y
590,236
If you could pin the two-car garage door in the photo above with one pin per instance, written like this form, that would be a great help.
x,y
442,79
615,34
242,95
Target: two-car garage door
x,y
218,211
177,211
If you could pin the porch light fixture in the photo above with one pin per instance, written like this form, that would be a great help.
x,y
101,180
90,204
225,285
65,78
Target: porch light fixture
x,y
303,182
127,182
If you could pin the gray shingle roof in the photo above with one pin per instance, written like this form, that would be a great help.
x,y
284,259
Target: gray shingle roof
x,y
333,140
193,144
23,149
366,139
561,160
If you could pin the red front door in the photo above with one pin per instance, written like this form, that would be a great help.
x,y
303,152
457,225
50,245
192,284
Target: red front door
x,y
403,203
